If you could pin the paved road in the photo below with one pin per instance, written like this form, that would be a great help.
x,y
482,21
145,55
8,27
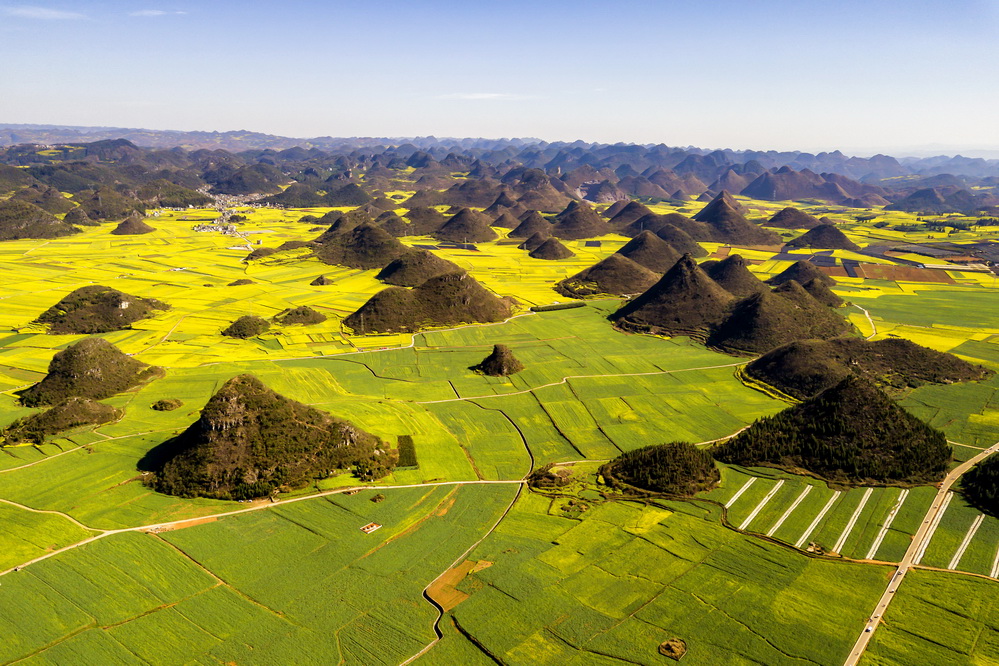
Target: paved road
x,y
910,555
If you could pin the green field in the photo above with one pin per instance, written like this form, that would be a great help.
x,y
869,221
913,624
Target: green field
x,y
603,585
939,618
626,577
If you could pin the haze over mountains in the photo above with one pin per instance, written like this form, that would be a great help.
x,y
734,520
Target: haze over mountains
x,y
511,176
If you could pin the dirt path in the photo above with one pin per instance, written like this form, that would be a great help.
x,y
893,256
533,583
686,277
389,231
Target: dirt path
x,y
874,327
177,524
565,379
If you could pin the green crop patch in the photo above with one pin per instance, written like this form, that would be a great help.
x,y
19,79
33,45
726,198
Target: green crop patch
x,y
626,578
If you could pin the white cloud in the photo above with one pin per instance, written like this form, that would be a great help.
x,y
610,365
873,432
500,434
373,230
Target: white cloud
x,y
41,13
481,96
155,12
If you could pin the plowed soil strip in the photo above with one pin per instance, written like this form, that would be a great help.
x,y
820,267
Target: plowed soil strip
x,y
763,503
956,560
818,519
853,521
790,510
933,529
739,492
902,495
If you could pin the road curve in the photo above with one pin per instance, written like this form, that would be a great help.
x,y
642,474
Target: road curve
x,y
907,560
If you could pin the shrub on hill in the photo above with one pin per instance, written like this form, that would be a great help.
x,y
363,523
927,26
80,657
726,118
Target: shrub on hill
x,y
303,314
674,468
19,219
92,368
260,253
70,413
247,326
250,441
241,282
851,432
167,405
97,309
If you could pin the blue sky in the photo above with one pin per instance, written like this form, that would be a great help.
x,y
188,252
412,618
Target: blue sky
x,y
861,76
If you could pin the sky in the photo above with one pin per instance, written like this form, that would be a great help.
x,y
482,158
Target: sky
x,y
897,76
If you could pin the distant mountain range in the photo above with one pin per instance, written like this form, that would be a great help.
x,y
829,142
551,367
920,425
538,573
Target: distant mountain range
x,y
836,162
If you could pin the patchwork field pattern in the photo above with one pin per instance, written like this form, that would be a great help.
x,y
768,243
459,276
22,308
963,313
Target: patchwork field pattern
x,y
205,581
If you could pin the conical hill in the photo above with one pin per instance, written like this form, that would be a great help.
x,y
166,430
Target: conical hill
x,y
650,251
733,274
500,363
684,302
614,208
731,226
824,237
718,205
765,320
97,309
851,433
804,368
445,300
552,250
79,216
616,275
425,221
579,221
250,441
680,241
19,219
792,218
801,272
534,242
631,211
466,226
91,368
364,247
416,267
821,292
506,221
532,224
133,225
